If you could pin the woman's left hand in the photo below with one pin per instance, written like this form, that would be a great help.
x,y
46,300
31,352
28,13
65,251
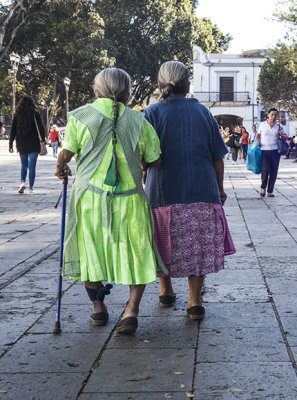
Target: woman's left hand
x,y
223,197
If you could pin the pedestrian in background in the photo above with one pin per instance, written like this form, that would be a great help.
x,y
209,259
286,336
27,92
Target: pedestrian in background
x,y
25,130
187,193
54,139
234,143
226,139
244,140
109,229
252,135
269,132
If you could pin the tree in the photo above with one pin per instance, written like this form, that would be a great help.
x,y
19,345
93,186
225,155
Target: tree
x,y
287,12
70,42
277,84
142,35
78,38
12,17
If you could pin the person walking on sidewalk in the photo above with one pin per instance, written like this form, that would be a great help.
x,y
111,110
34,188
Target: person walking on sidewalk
x,y
252,135
25,126
244,142
269,132
187,193
234,143
54,138
109,229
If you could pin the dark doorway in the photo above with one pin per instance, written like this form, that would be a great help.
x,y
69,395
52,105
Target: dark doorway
x,y
229,121
226,88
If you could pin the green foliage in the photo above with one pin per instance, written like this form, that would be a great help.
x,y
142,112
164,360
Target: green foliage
x,y
287,12
277,83
77,38
142,35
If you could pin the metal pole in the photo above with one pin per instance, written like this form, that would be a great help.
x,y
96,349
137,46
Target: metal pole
x,y
67,100
57,326
13,92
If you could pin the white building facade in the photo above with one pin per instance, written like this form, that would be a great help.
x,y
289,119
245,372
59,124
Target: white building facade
x,y
227,85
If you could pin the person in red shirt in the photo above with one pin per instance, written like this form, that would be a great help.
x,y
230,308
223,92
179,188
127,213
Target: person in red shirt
x,y
244,142
54,138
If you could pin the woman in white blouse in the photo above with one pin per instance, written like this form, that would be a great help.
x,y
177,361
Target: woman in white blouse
x,y
269,132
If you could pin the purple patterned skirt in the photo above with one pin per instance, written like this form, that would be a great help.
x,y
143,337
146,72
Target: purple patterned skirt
x,y
192,239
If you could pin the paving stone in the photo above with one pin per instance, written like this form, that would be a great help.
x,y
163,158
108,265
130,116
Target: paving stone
x,y
41,386
245,381
28,302
149,306
157,333
277,251
286,304
279,267
75,319
234,262
239,315
53,353
159,365
228,277
235,293
282,285
32,283
15,323
229,344
135,396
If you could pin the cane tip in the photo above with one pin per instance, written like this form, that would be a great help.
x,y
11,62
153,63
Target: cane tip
x,y
57,329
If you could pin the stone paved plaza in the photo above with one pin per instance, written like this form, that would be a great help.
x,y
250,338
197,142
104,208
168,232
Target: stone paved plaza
x,y
246,347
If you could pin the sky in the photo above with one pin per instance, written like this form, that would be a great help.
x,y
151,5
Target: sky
x,y
248,21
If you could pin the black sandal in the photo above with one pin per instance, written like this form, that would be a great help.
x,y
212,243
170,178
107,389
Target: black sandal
x,y
127,326
167,300
99,319
196,312
270,195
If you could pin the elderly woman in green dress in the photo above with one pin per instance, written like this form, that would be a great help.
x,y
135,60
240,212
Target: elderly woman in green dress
x,y
109,228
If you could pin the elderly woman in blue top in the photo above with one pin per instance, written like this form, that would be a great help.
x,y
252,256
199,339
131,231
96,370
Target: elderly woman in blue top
x,y
186,193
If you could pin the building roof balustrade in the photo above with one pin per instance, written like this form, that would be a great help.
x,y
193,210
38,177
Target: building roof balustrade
x,y
221,97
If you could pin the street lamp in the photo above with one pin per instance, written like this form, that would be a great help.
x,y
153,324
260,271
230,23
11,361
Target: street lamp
x,y
67,82
14,61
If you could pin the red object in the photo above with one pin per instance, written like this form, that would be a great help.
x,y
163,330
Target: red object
x,y
244,138
54,136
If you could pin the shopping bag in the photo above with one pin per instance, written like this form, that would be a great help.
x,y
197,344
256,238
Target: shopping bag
x,y
254,158
283,146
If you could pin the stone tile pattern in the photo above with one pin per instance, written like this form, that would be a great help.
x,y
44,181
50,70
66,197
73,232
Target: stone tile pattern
x,y
244,349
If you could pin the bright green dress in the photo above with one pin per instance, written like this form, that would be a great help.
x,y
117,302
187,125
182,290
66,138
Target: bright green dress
x,y
129,258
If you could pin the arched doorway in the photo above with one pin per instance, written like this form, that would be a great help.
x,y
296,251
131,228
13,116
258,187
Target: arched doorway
x,y
229,120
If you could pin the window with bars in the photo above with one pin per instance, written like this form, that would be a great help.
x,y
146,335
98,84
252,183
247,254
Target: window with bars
x,y
226,88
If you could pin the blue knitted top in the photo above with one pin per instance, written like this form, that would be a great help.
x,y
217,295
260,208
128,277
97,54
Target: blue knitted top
x,y
190,141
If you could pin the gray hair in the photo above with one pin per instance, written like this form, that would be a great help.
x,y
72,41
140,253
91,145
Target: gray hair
x,y
173,77
113,83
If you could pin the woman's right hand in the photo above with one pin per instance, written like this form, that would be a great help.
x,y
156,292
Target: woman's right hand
x,y
62,172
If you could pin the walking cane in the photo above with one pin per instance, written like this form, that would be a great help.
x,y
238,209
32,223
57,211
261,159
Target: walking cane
x,y
57,327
